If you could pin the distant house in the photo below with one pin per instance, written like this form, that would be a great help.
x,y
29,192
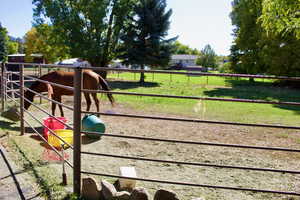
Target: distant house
x,y
117,64
20,58
74,61
183,60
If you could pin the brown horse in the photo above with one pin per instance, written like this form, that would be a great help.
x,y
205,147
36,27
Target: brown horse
x,y
91,81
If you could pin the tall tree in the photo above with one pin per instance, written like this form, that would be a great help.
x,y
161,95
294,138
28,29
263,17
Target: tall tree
x,y
257,49
20,44
208,57
89,28
248,37
3,44
281,17
144,42
185,49
40,39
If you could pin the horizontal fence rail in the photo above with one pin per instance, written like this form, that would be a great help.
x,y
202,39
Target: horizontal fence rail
x,y
193,97
46,98
41,109
195,143
193,120
44,140
77,89
52,132
194,184
191,163
162,71
51,83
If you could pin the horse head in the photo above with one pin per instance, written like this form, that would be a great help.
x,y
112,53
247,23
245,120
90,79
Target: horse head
x,y
28,95
37,87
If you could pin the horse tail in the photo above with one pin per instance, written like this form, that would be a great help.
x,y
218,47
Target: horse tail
x,y
105,86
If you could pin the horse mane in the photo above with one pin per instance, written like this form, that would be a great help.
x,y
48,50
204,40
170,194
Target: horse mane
x,y
45,77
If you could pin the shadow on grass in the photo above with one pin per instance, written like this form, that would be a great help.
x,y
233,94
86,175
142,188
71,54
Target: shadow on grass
x,y
28,165
8,126
123,85
243,89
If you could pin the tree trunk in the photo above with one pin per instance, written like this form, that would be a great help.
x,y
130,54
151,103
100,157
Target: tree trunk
x,y
142,78
106,49
251,80
103,74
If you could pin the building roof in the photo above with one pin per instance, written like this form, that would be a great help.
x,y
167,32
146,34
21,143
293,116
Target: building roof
x,y
73,61
23,55
184,57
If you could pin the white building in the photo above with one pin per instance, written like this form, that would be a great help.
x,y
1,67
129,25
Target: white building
x,y
184,60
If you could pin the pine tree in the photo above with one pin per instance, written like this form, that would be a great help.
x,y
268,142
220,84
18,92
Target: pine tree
x,y
3,43
208,57
144,40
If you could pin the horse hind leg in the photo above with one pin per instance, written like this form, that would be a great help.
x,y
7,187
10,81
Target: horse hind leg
x,y
61,110
58,99
96,102
88,101
53,108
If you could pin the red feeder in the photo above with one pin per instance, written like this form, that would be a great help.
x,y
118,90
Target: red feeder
x,y
53,124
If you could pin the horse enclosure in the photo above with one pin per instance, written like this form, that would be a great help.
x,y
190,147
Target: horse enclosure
x,y
209,166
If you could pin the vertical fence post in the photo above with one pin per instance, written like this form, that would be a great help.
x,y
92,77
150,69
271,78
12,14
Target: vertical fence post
x,y
40,74
5,81
2,87
77,130
206,81
22,99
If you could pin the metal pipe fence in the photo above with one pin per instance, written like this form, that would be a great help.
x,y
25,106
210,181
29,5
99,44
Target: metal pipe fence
x,y
191,163
193,97
164,72
194,184
77,112
193,120
40,135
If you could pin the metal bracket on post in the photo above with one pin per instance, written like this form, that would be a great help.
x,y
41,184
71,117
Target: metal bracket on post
x,y
22,99
77,131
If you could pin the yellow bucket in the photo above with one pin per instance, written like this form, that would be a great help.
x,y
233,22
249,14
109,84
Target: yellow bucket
x,y
65,134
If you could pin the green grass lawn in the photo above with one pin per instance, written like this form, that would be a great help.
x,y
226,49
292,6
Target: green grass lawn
x,y
209,87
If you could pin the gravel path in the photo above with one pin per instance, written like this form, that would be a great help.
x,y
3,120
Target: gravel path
x,y
14,182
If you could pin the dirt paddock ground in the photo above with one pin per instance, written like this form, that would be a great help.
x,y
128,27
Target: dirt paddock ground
x,y
199,132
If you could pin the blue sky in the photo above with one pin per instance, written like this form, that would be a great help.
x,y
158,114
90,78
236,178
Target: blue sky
x,y
196,22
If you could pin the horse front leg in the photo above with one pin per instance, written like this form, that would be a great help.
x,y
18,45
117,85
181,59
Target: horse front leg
x,y
58,99
88,101
96,100
60,107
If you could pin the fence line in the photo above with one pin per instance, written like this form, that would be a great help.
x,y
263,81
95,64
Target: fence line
x,y
50,130
44,97
194,185
51,83
51,100
162,71
191,163
52,148
196,143
193,120
194,97
77,88
39,108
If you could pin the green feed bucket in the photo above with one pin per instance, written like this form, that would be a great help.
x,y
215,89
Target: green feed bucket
x,y
92,123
